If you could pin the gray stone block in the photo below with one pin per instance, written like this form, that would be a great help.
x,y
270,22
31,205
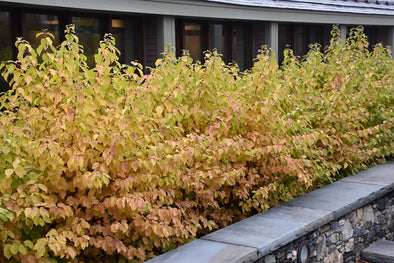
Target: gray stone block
x,y
270,259
204,251
382,174
271,229
349,246
380,251
340,197
320,247
368,217
334,238
347,230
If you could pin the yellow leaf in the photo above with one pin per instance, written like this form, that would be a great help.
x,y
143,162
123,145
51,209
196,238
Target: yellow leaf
x,y
165,231
9,172
19,171
40,247
70,251
264,110
7,252
42,187
21,91
16,163
72,163
159,110
27,211
28,79
168,105
14,249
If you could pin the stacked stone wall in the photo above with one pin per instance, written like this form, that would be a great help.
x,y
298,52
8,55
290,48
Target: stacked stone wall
x,y
343,239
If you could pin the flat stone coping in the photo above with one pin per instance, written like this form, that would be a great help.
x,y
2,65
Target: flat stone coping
x,y
380,251
259,235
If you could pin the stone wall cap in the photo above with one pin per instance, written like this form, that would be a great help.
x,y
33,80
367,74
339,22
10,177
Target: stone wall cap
x,y
382,174
204,251
271,229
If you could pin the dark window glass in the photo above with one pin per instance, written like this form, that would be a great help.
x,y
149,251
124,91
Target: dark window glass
x,y
125,35
285,39
150,42
300,41
88,31
258,31
217,38
6,42
35,23
299,37
319,34
193,39
240,46
326,36
376,34
316,35
382,34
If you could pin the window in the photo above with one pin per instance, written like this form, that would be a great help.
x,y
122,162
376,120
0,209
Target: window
x,y
90,28
258,40
193,40
230,39
376,35
300,43
88,31
6,44
299,36
125,33
240,46
35,23
7,40
217,38
285,40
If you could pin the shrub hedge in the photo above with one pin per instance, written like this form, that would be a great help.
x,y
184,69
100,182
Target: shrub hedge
x,y
108,164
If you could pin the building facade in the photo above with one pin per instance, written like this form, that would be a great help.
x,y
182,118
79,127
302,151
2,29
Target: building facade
x,y
236,28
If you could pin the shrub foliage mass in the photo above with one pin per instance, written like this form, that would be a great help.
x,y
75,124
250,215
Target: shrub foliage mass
x,y
108,164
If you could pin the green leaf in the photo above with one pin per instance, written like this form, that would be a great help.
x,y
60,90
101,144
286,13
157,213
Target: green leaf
x,y
28,243
14,249
10,234
22,249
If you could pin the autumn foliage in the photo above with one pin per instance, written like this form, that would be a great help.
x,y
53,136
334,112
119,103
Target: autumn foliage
x,y
108,164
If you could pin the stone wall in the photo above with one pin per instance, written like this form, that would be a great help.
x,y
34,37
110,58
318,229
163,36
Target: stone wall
x,y
342,240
